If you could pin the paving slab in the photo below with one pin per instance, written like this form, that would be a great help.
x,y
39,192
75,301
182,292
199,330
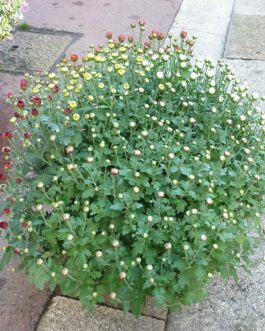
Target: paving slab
x,y
207,20
246,38
94,18
231,306
249,7
253,72
21,304
65,314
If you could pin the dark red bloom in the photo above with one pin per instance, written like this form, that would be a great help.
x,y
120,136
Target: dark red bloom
x,y
121,38
56,89
17,115
7,165
67,111
23,84
26,135
2,178
74,57
183,34
5,149
3,225
10,95
21,104
24,224
36,101
49,98
19,180
7,211
17,250
109,35
34,112
7,135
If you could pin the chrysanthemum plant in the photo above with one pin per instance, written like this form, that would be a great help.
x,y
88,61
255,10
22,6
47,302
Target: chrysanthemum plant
x,y
135,172
11,11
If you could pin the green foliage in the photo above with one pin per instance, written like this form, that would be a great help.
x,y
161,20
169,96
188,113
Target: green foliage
x,y
142,174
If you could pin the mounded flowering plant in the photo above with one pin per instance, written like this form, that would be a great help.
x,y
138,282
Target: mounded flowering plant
x,y
11,11
135,171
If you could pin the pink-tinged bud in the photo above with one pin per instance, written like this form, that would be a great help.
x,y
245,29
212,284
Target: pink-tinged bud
x,y
142,23
113,171
130,39
23,84
69,149
109,35
160,36
121,38
160,194
183,34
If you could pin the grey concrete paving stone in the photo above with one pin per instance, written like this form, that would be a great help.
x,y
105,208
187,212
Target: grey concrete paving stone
x,y
66,314
205,16
246,38
252,72
207,20
231,306
249,7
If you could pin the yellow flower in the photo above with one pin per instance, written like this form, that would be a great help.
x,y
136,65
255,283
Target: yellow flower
x,y
161,87
72,104
87,76
90,98
52,75
13,120
76,117
121,72
101,85
126,86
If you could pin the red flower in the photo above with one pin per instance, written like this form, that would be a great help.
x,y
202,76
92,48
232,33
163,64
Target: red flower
x,y
109,35
67,111
26,135
36,101
5,149
3,225
121,38
7,165
6,211
49,98
16,250
183,34
56,89
21,104
24,224
17,115
7,135
19,180
34,112
2,178
23,84
74,57
10,95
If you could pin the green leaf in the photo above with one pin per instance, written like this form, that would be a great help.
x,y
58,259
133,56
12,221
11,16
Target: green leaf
x,y
6,257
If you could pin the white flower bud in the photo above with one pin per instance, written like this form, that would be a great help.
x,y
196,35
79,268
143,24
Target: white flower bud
x,y
168,246
65,271
115,243
149,267
99,254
